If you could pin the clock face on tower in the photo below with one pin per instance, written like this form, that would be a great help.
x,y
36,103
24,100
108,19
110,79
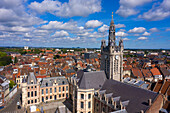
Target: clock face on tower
x,y
117,57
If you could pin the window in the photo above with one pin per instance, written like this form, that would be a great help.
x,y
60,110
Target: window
x,y
82,96
28,87
82,105
42,99
89,112
35,93
66,88
59,89
28,102
42,91
28,94
50,97
46,84
63,89
31,93
59,95
89,104
31,101
46,91
103,109
50,90
46,97
55,97
55,89
31,87
89,96
35,86
63,95
35,100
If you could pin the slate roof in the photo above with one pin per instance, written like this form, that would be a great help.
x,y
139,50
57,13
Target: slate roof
x,y
31,76
47,82
138,98
92,80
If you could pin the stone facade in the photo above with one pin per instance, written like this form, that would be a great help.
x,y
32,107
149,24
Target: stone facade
x,y
112,56
47,89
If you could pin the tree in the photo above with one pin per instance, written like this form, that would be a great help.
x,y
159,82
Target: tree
x,y
11,84
15,60
4,59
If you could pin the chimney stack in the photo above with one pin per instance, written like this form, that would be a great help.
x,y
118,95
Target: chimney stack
x,y
150,102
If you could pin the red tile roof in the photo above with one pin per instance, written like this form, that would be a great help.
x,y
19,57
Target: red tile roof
x,y
158,86
146,73
136,72
155,71
165,87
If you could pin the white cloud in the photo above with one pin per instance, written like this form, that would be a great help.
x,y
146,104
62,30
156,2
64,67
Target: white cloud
x,y
60,34
119,25
153,29
127,7
26,39
67,9
126,39
103,28
13,13
168,29
121,34
93,24
146,33
125,11
60,25
122,30
136,34
157,13
92,35
142,38
137,30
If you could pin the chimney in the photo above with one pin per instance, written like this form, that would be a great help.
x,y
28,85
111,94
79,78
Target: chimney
x,y
141,111
150,102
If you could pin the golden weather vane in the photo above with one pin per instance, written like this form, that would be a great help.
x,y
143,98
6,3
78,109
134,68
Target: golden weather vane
x,y
112,15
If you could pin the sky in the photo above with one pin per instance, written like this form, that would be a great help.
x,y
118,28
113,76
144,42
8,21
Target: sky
x,y
143,24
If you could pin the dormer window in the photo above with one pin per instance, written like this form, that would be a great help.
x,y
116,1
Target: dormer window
x,y
63,82
32,82
46,84
103,98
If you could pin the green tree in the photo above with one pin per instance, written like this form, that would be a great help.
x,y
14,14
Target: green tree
x,y
4,59
11,84
15,60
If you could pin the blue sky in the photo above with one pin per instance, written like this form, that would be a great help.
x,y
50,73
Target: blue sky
x,y
84,23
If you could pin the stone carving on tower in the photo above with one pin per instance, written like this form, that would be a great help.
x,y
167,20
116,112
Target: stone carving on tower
x,y
112,55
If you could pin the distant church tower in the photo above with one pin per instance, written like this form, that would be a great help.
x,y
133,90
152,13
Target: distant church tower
x,y
112,55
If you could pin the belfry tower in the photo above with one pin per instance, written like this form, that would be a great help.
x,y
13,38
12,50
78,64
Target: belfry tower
x,y
112,55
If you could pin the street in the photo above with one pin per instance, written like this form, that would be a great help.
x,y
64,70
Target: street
x,y
12,104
